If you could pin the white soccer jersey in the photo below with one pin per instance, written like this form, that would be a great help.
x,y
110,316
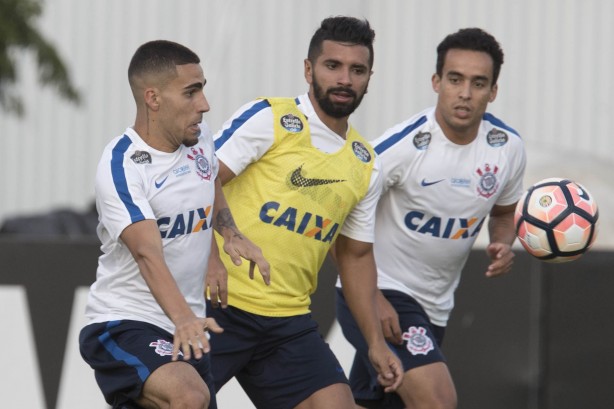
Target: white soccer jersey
x,y
437,195
256,121
135,182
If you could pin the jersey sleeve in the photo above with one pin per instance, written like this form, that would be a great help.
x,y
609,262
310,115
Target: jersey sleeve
x,y
246,136
120,194
360,223
393,149
514,189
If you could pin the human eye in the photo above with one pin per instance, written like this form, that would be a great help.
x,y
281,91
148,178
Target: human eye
x,y
190,92
330,65
359,70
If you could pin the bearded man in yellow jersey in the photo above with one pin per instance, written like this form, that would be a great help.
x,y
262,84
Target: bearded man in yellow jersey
x,y
299,178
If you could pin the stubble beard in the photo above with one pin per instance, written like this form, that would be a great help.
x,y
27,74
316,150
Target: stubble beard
x,y
329,107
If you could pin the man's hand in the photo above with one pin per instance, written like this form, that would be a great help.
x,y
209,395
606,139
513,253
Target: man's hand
x,y
388,366
238,247
389,320
191,337
502,235
216,283
501,257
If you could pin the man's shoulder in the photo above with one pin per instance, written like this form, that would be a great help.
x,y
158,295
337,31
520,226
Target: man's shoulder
x,y
405,130
498,134
279,100
493,122
251,109
361,147
121,143
253,117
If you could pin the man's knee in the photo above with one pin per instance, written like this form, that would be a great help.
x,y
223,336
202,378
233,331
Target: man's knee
x,y
188,399
195,399
429,386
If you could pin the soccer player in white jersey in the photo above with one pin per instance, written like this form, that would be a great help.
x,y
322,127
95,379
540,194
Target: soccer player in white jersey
x,y
158,199
446,169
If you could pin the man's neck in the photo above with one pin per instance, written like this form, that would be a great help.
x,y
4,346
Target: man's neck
x,y
151,137
337,125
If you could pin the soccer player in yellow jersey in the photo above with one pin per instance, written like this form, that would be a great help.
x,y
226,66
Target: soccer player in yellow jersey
x,y
299,178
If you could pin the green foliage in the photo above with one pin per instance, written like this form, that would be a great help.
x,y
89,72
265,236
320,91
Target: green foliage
x,y
18,32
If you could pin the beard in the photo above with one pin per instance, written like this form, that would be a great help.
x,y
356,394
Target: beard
x,y
191,140
333,109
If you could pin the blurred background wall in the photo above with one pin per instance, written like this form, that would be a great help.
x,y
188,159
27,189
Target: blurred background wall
x,y
537,338
555,89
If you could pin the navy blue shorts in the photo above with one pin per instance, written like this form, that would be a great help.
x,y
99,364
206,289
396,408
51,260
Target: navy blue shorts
x,y
421,346
124,353
279,361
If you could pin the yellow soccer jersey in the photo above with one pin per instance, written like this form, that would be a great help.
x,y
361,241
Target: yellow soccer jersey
x,y
292,203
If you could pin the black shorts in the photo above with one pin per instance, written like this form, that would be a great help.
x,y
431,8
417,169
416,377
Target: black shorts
x,y
124,353
421,346
278,361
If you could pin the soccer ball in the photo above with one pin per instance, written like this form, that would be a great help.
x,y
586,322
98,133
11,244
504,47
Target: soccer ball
x,y
556,220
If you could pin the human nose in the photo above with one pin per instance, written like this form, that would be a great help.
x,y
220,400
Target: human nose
x,y
203,104
465,91
345,77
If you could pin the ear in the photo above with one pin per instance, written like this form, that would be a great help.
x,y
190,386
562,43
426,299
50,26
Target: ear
x,y
152,98
308,71
493,92
435,81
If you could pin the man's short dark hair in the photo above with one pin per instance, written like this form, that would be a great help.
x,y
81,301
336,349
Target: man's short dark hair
x,y
342,29
160,56
474,39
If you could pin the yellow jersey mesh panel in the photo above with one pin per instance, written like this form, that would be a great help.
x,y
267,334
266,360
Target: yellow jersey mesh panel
x,y
292,203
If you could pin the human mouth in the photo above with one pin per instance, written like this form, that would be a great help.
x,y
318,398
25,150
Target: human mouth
x,y
462,112
195,128
343,99
342,96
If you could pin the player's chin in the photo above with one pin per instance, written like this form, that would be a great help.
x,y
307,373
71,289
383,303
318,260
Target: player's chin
x,y
191,139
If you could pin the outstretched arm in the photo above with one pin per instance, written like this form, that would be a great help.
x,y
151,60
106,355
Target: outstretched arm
x,y
143,240
216,282
502,235
236,245
356,265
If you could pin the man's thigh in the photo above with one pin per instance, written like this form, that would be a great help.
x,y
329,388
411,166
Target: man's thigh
x,y
124,354
288,358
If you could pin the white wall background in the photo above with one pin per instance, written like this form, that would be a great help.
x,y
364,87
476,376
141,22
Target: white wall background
x,y
556,85
556,89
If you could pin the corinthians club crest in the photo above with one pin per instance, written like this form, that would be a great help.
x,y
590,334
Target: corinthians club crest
x,y
163,347
418,341
203,167
488,183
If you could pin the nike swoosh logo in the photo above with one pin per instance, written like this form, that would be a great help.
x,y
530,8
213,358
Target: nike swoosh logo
x,y
425,183
584,195
159,184
298,180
